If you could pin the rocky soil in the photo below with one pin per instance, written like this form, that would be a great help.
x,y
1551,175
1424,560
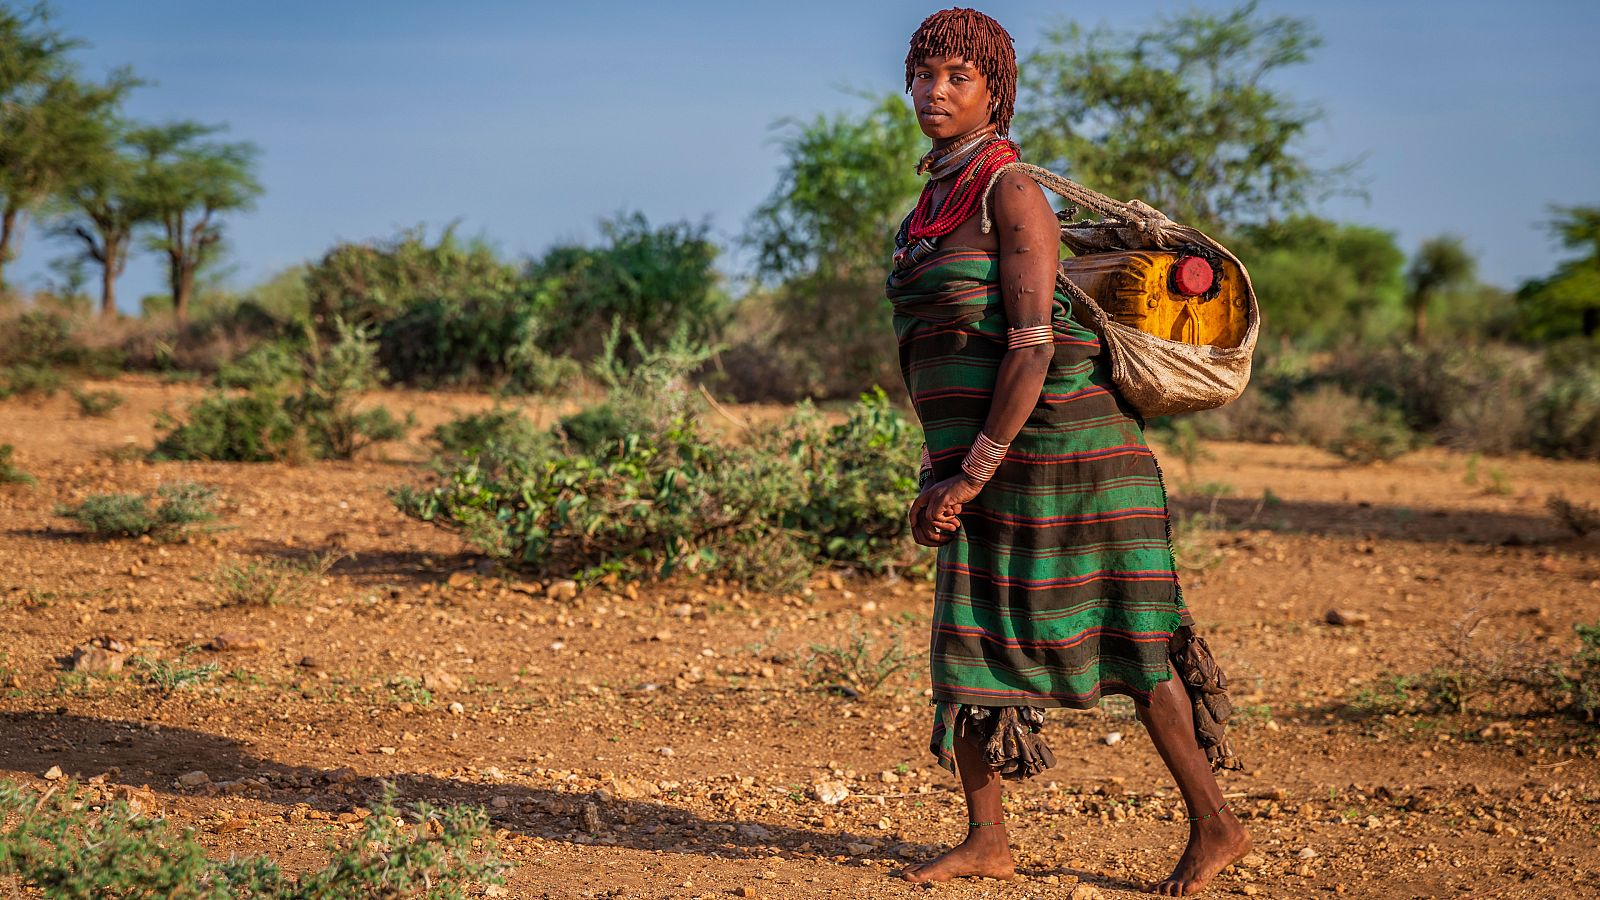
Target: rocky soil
x,y
674,739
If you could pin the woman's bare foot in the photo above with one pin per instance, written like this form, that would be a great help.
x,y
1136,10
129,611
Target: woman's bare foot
x,y
1214,844
985,853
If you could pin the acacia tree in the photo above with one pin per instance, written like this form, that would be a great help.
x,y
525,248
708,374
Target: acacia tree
x,y
1567,303
189,181
106,204
1182,116
50,122
1441,264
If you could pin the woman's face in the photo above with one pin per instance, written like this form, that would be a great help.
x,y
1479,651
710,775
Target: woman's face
x,y
951,97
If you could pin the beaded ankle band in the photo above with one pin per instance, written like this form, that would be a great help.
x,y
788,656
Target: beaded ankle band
x,y
984,458
984,824
1210,814
1028,337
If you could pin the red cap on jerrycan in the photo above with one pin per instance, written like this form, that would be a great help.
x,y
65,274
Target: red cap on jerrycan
x,y
1192,276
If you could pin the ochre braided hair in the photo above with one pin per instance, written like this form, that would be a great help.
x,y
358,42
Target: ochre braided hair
x,y
977,39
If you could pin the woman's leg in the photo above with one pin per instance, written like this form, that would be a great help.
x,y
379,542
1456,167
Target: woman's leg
x,y
1216,839
986,850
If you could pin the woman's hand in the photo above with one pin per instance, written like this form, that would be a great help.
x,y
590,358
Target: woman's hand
x,y
934,513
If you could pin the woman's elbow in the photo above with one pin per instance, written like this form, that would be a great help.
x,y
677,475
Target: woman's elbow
x,y
1035,358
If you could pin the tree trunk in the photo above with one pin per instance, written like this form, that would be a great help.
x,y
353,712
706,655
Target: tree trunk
x,y
108,279
182,287
8,225
1419,320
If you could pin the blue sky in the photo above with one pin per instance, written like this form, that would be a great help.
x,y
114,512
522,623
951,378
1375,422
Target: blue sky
x,y
528,122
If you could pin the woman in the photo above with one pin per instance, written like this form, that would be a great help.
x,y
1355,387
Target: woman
x,y
1055,582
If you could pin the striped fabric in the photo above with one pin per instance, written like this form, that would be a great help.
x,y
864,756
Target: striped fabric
x,y
1059,586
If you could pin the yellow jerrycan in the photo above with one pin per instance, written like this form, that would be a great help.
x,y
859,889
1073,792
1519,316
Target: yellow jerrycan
x,y
1173,295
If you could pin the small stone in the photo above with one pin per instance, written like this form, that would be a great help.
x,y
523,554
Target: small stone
x,y
564,589
310,662
1112,739
52,774
93,660
1253,861
753,832
858,849
441,681
1085,892
236,642
1307,853
499,802
194,779
457,709
1346,618
888,777
341,775
664,751
1249,890
830,793
591,818
745,891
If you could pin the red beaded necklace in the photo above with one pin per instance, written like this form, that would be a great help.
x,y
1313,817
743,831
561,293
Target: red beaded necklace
x,y
962,200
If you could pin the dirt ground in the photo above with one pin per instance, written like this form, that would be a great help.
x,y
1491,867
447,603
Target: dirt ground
x,y
667,740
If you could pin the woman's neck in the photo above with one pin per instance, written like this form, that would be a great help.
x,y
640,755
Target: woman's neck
x,y
950,154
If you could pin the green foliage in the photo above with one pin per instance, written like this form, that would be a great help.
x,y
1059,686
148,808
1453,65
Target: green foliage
x,y
1181,115
655,282
823,238
51,121
371,283
188,181
267,425
57,844
272,583
181,504
336,375
35,345
496,431
97,404
1322,282
1579,679
1441,263
1565,411
639,487
1567,303
29,381
496,340
268,365
172,675
856,663
9,473
225,427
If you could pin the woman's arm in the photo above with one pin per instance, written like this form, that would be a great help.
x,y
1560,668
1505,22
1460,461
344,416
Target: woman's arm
x,y
1028,236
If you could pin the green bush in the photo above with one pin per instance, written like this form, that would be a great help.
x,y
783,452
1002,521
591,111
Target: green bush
x,y
1578,682
265,425
252,427
1351,427
503,431
57,844
29,380
371,283
337,374
657,282
1566,413
9,473
664,497
270,364
181,504
96,404
477,341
